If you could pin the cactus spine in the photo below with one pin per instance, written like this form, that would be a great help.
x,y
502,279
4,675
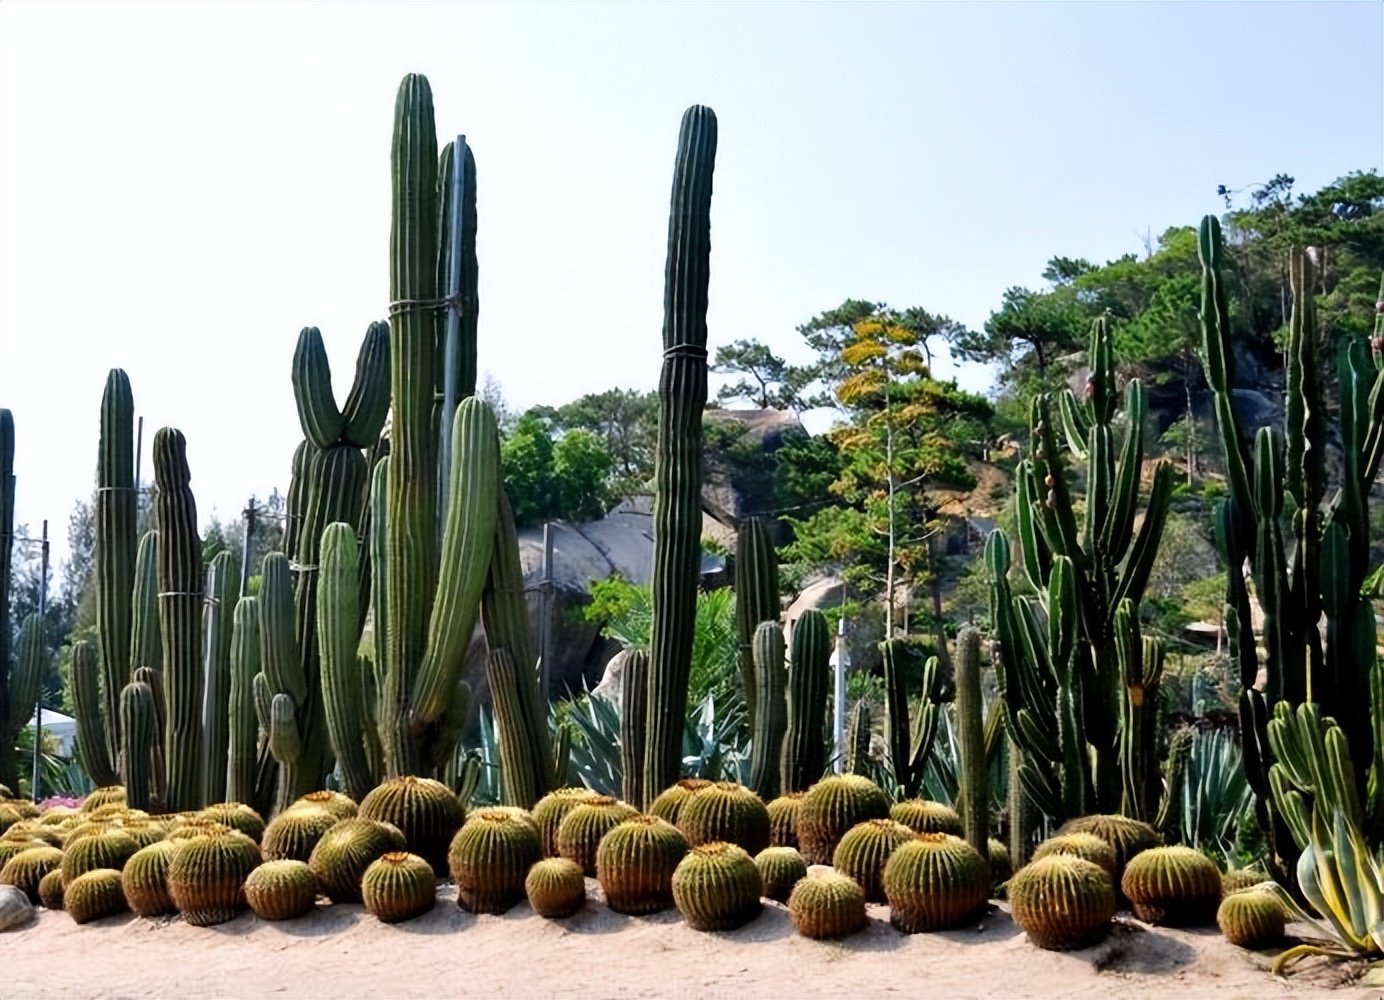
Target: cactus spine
x,y
634,719
970,720
771,718
678,461
804,757
756,601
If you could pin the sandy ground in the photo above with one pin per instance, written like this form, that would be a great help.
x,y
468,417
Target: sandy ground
x,y
343,952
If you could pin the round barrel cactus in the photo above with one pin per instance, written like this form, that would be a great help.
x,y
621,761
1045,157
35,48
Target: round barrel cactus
x,y
925,816
833,806
237,816
190,827
783,819
1086,846
1173,886
50,890
339,805
490,858
580,832
291,835
93,895
933,882
1062,901
864,850
26,869
281,890
1251,919
344,852
551,809
1242,879
427,812
726,812
1126,836
145,880
399,886
104,797
1000,866
556,887
206,877
105,849
32,829
635,863
780,868
12,848
716,887
668,805
827,905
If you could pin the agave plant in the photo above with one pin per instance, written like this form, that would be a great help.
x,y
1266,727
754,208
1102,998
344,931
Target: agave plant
x,y
1344,884
1216,796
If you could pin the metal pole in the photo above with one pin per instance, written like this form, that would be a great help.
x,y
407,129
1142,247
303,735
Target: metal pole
x,y
249,513
545,620
838,714
452,343
35,793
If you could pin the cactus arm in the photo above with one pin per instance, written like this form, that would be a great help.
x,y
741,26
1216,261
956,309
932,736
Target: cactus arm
x,y
88,708
286,745
634,709
771,720
338,604
1100,486
896,724
1036,554
1118,526
392,688
223,580
678,457
146,639
1271,567
1135,577
367,404
242,723
1075,427
519,769
26,675
925,726
116,540
158,772
312,390
1129,648
1056,520
180,616
278,648
136,738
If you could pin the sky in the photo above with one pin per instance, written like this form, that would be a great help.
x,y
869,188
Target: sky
x,y
183,187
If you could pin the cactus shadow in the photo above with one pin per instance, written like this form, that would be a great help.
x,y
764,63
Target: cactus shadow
x,y
446,917
994,924
1133,947
326,920
597,918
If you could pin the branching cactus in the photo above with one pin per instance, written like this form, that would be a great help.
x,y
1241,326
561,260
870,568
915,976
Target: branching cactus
x,y
909,744
678,458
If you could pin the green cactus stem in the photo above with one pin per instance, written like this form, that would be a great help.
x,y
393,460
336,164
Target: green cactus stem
x,y
756,601
243,727
338,632
634,720
116,540
804,757
864,850
490,859
145,880
9,761
1062,902
771,718
136,742
291,835
728,812
635,863
281,890
780,868
93,895
970,719
580,832
833,806
1175,886
206,877
88,707
223,583
933,882
344,852
425,811
1251,919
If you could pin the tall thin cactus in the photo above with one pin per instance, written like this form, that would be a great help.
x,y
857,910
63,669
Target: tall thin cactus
x,y
678,459
116,539
223,580
771,719
9,762
809,670
756,595
634,717
970,723
137,739
243,726
343,686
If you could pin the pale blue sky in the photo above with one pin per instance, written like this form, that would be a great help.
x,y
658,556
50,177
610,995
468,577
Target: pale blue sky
x,y
184,186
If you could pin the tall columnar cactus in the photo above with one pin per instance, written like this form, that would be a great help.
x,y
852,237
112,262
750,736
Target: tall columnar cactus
x,y
223,582
804,757
634,718
970,721
756,596
343,686
89,709
136,742
180,614
1332,667
1141,666
1063,685
771,718
116,538
284,684
678,460
909,744
243,727
463,365
23,683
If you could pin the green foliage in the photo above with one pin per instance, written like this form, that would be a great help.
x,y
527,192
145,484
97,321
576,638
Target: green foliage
x,y
555,475
766,380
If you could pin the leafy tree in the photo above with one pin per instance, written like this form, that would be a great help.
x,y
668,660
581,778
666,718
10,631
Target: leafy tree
x,y
766,380
552,474
627,421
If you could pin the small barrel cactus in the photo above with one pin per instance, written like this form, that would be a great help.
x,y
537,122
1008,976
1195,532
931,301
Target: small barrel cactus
x,y
864,850
1086,846
833,806
344,852
580,832
206,877
109,848
291,835
549,812
556,887
1242,879
726,812
104,797
827,905
1000,866
783,820
1251,919
26,869
339,805
780,868
93,895
925,816
281,890
716,887
427,812
635,863
490,857
237,816
32,829
933,882
670,801
50,890
1173,886
145,880
12,848
1126,836
399,886
1062,901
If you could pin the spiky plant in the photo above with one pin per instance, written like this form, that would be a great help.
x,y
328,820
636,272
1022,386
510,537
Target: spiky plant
x,y
145,880
50,890
1086,846
104,796
549,812
780,868
1174,886
93,895
1251,919
1241,879
1001,868
281,890
344,852
489,859
26,869
716,887
339,805
933,882
556,887
668,805
783,819
291,835
427,812
827,905
580,832
1062,902
237,816
109,848
206,877
1126,836
833,806
635,863
923,816
865,849
399,886
727,812
9,849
